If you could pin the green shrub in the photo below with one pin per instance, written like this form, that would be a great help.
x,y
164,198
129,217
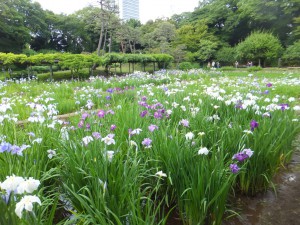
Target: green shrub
x,y
185,66
291,56
44,69
254,68
226,55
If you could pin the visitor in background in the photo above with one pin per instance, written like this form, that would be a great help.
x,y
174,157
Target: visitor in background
x,y
236,64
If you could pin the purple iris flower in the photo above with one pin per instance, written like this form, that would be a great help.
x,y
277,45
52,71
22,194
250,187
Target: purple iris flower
x,y
113,127
144,98
143,113
110,112
84,116
101,113
96,135
239,105
269,84
184,123
143,103
158,115
80,124
110,90
15,149
253,124
234,168
5,147
147,142
284,106
152,127
18,150
241,156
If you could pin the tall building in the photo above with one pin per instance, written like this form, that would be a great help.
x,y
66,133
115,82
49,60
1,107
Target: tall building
x,y
129,9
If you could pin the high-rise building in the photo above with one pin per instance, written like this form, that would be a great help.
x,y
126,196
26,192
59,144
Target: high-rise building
x,y
129,9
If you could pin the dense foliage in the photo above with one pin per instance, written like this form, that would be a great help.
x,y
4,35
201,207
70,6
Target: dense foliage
x,y
215,25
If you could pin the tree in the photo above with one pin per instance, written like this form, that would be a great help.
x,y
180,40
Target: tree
x,y
276,15
291,55
107,9
206,50
179,53
261,47
226,55
180,19
13,32
157,36
191,35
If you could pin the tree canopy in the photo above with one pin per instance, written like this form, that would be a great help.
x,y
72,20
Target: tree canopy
x,y
213,28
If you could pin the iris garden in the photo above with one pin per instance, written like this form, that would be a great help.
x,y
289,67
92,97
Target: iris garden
x,y
141,148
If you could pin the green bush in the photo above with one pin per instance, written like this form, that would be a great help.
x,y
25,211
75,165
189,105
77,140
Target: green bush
x,y
291,56
186,66
44,69
63,75
260,46
254,68
226,55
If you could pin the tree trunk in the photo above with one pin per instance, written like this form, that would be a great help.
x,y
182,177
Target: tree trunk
x,y
104,42
122,47
130,46
100,38
109,44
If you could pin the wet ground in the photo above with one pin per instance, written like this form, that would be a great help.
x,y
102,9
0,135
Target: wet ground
x,y
270,208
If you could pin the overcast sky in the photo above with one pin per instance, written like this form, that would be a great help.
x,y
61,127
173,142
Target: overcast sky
x,y
149,9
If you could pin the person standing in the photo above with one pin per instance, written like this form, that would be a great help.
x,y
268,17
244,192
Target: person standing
x,y
236,64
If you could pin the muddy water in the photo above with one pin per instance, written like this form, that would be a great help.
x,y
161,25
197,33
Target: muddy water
x,y
282,208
